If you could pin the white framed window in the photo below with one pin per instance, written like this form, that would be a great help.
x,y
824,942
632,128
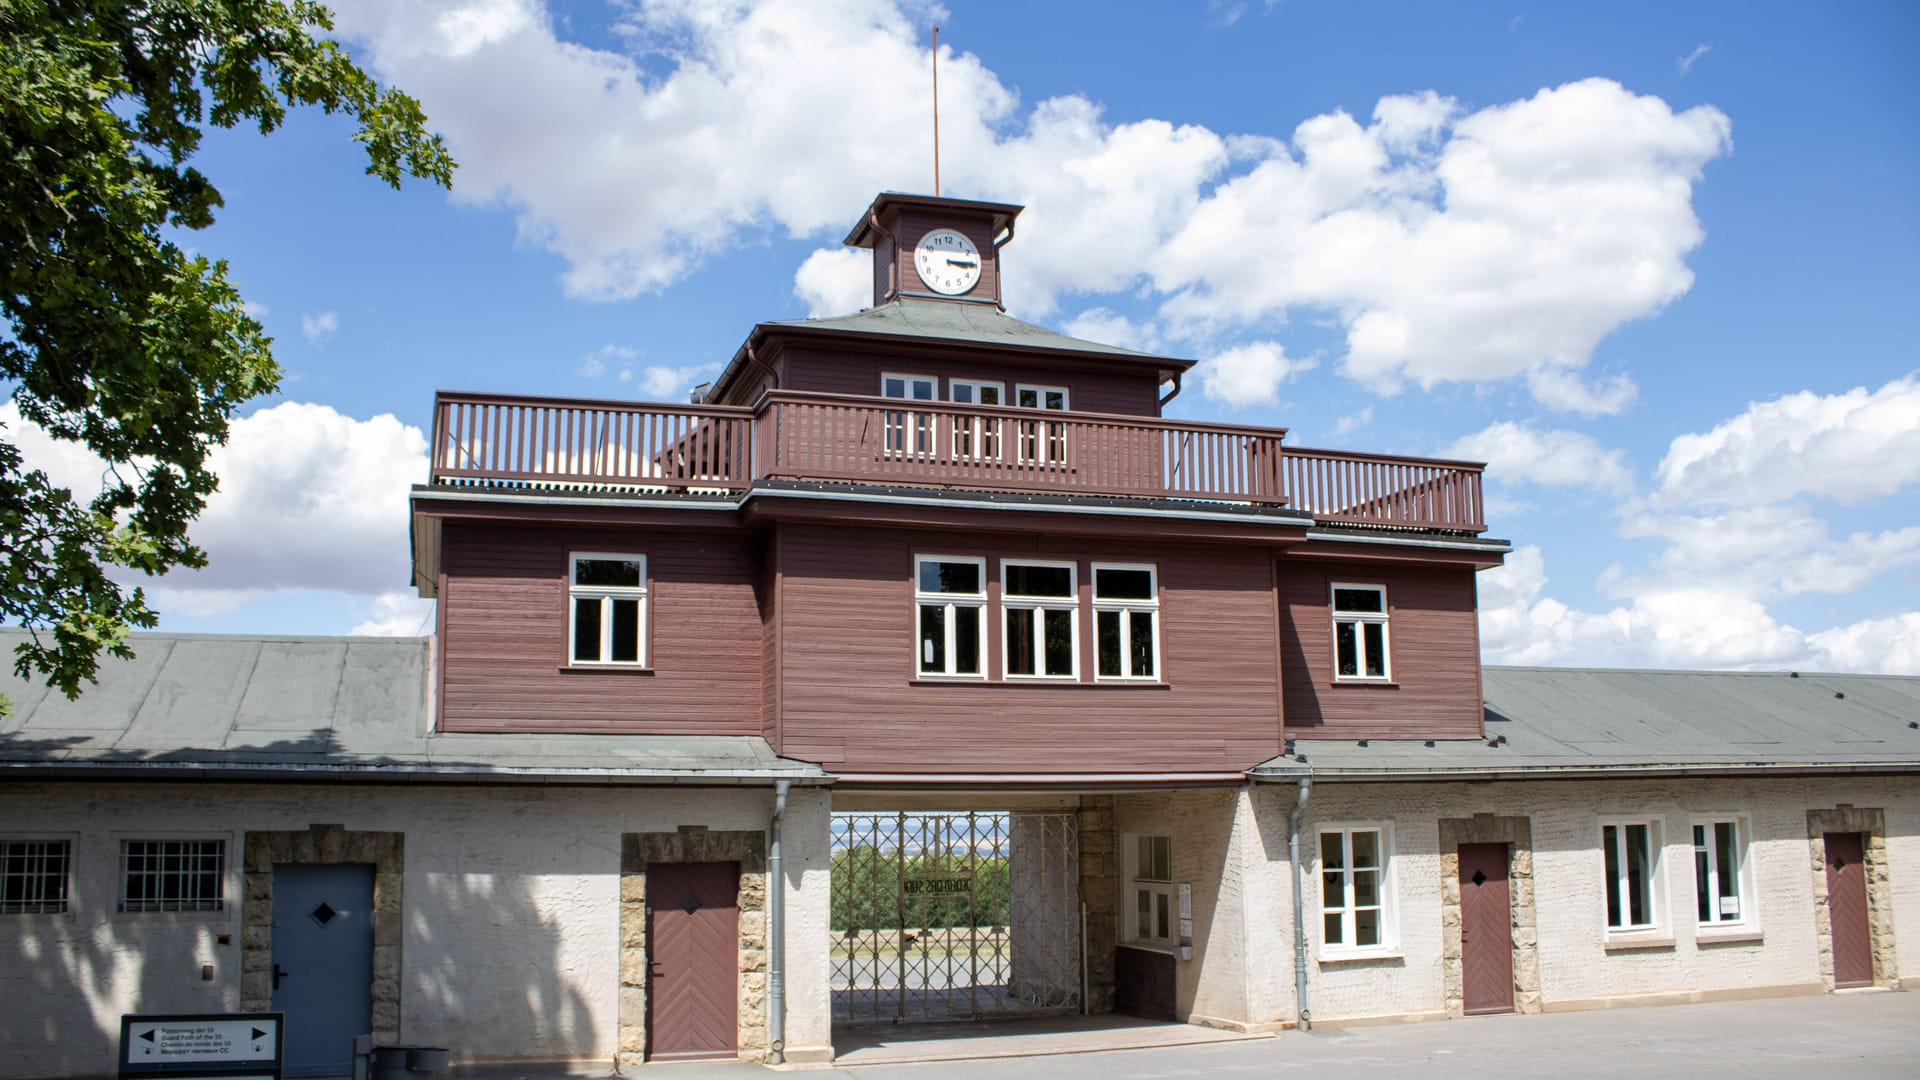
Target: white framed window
x,y
1126,621
1042,441
1360,632
976,437
607,609
1040,604
1150,917
1722,881
35,876
1631,851
909,432
1356,888
173,875
950,601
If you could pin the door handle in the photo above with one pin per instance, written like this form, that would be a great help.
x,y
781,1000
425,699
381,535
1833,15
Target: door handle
x,y
278,974
653,970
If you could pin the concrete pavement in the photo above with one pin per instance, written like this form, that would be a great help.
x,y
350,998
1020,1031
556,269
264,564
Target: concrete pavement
x,y
1828,1037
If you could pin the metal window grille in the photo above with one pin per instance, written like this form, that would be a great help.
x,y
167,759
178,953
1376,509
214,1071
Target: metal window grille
x,y
173,875
33,876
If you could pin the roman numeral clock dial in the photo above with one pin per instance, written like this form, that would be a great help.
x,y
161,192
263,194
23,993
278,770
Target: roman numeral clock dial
x,y
948,262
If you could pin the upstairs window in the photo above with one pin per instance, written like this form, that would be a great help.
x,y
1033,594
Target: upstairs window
x,y
1126,621
1631,851
1150,882
33,876
1360,631
1041,608
608,600
950,598
173,875
1719,871
1041,441
976,437
909,432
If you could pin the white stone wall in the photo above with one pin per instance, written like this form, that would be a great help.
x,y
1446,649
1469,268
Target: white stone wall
x,y
1576,967
510,911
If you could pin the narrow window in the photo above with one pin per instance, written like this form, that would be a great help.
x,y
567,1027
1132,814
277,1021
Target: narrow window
x,y
1126,621
608,597
1360,631
1631,858
909,432
173,875
1353,889
950,598
1041,608
1042,441
33,876
1719,865
976,437
1152,919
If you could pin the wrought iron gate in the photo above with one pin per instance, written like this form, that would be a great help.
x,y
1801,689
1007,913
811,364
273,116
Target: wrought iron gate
x,y
955,916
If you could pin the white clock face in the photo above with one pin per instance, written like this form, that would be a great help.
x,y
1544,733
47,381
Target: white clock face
x,y
948,262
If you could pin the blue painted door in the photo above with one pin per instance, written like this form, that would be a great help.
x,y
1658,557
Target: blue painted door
x,y
323,963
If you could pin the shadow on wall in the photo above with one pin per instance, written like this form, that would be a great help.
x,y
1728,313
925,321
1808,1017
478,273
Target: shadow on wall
x,y
492,977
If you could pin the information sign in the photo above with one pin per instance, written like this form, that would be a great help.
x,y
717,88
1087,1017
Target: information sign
x,y
227,1046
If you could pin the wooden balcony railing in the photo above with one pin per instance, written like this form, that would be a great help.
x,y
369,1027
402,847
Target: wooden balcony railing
x,y
505,440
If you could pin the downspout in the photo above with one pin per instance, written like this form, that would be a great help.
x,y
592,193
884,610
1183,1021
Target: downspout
x,y
777,931
1305,1015
999,285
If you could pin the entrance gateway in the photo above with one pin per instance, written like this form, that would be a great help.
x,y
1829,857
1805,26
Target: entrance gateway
x,y
955,916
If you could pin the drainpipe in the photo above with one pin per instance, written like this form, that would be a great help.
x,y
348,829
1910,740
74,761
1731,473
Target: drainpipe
x,y
1305,1016
777,931
1171,394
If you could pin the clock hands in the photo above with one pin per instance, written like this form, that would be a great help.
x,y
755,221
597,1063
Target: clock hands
x,y
964,263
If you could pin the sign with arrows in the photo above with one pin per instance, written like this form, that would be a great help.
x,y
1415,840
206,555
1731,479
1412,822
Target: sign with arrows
x,y
227,1046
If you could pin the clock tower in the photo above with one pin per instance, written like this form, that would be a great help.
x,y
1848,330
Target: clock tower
x,y
934,248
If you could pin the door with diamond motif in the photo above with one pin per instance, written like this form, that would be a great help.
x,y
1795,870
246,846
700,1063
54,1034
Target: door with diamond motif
x,y
693,949
322,963
1486,929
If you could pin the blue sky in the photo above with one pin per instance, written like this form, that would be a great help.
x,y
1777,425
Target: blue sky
x,y
1654,262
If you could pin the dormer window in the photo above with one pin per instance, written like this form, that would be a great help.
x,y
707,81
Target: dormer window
x,y
1360,632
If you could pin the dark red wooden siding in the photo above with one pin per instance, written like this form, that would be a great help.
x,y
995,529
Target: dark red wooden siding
x,y
851,699
839,372
1847,904
693,945
1433,641
1486,929
504,647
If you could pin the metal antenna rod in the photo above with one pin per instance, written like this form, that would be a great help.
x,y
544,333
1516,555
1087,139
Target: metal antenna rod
x,y
936,111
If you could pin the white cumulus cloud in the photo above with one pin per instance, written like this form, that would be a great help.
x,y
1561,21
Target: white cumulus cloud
x,y
1522,454
1249,374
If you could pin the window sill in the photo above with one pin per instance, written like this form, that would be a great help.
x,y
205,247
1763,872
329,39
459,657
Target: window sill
x,y
605,669
1728,936
1359,956
1385,684
1633,942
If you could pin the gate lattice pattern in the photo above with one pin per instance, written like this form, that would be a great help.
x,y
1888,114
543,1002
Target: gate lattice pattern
x,y
955,916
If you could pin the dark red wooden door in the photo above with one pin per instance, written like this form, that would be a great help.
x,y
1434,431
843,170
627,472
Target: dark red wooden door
x,y
1847,907
1486,929
693,937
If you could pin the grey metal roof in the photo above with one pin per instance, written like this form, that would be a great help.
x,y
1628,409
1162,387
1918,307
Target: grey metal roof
x,y
322,707
946,320
1585,721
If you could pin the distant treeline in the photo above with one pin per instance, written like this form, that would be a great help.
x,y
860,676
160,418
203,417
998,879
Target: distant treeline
x,y
866,890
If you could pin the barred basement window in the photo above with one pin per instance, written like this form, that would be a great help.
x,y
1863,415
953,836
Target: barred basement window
x,y
608,599
33,876
173,875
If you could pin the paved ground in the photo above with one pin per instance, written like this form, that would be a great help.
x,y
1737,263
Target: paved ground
x,y
1832,1037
